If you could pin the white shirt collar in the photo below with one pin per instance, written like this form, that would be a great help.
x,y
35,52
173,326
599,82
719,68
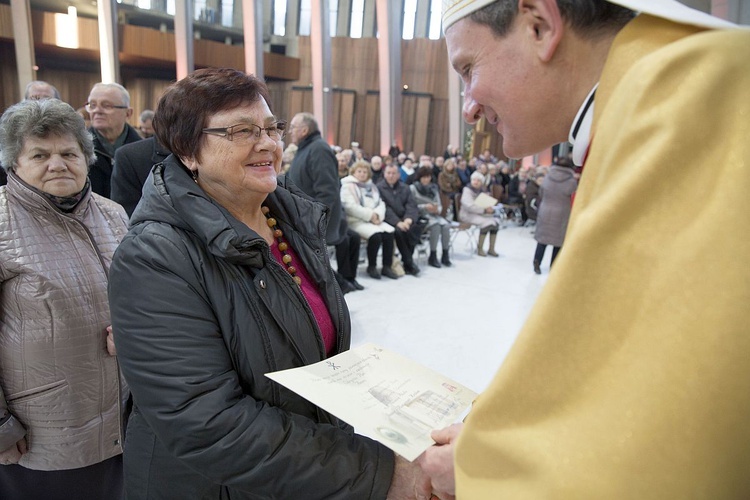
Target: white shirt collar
x,y
580,132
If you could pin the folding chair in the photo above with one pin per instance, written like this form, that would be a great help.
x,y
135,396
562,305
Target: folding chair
x,y
470,230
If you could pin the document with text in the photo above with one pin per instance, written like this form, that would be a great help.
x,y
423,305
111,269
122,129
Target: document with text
x,y
384,395
483,200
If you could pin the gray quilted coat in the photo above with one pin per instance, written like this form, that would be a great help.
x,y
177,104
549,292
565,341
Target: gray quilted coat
x,y
58,385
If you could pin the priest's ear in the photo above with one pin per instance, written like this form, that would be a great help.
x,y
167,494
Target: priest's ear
x,y
544,24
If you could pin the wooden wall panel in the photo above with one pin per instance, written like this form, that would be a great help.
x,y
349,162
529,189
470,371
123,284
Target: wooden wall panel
x,y
145,93
6,23
408,114
422,123
279,66
437,140
424,66
280,92
45,31
354,65
300,101
74,86
345,111
218,55
147,43
370,135
9,92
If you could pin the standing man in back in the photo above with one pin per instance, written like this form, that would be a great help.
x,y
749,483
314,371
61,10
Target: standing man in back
x,y
109,107
39,89
315,171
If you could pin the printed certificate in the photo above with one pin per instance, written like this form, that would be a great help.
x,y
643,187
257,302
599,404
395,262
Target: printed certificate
x,y
384,395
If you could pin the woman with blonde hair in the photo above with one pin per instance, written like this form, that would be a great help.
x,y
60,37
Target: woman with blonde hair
x,y
365,214
482,217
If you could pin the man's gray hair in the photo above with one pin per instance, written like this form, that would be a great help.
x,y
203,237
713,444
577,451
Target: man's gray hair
x,y
146,114
40,83
123,91
308,120
41,119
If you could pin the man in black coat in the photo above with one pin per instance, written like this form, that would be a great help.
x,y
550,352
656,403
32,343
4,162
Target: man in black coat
x,y
109,107
314,170
133,163
402,213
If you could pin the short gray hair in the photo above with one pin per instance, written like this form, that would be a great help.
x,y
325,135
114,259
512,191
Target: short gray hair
x,y
41,119
40,83
123,91
477,175
308,120
146,114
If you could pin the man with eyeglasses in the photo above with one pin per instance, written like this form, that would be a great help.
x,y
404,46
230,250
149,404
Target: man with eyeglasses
x,y
34,90
109,107
315,171
39,89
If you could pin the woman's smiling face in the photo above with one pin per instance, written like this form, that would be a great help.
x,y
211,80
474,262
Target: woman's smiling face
x,y
231,170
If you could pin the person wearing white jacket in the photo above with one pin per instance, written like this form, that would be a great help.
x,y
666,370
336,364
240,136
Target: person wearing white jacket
x,y
365,214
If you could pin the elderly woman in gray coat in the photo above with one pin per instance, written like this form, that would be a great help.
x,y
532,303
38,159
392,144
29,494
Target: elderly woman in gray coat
x,y
61,395
554,210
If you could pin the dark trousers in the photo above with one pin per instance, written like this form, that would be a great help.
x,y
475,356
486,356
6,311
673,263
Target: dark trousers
x,y
539,254
101,481
373,245
347,255
405,248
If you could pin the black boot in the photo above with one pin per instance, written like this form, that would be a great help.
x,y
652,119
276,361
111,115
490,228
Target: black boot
x,y
537,269
446,261
433,260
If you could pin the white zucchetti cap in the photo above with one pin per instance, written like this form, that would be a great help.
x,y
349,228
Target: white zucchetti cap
x,y
455,10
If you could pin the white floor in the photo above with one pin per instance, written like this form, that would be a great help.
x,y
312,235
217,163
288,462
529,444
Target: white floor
x,y
460,321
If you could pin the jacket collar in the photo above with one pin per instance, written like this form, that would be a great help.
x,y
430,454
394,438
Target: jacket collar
x,y
310,138
171,196
37,202
580,132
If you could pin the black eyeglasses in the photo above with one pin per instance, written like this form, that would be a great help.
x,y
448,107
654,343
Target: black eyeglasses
x,y
249,132
106,106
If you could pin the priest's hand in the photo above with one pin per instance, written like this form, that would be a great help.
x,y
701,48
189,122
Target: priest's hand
x,y
436,463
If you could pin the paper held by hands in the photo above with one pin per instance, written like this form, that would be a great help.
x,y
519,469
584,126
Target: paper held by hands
x,y
384,395
483,200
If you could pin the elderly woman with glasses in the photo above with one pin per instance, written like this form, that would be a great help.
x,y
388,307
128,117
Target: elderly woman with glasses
x,y
223,278
61,394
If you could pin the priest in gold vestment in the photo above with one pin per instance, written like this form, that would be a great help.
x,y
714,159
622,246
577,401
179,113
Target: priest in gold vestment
x,y
631,376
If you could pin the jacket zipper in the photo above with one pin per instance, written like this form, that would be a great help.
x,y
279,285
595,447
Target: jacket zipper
x,y
92,242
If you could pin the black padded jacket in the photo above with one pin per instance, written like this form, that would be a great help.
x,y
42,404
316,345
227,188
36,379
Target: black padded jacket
x,y
201,311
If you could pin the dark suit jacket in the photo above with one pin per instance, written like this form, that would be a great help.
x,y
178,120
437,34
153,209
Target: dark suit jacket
x,y
100,173
133,163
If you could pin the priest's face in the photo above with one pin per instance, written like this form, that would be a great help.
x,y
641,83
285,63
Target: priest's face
x,y
506,82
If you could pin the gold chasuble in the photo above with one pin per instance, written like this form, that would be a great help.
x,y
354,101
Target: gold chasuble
x,y
631,377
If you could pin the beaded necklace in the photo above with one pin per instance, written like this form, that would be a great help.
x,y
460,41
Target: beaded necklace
x,y
283,245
